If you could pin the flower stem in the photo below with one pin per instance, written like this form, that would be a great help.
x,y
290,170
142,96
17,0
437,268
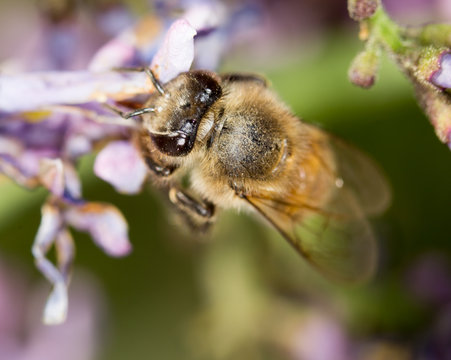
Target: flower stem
x,y
387,32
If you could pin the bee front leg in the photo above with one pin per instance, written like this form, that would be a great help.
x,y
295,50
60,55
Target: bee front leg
x,y
198,214
159,170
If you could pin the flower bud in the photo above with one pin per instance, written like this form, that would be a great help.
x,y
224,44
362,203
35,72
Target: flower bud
x,y
362,9
436,34
364,68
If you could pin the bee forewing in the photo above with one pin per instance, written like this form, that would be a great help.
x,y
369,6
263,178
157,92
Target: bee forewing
x,y
360,174
338,241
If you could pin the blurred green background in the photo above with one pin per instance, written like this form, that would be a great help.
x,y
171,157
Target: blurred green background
x,y
176,295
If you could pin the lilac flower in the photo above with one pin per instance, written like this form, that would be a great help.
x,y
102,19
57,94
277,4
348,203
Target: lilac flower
x,y
65,208
317,333
428,279
48,120
321,336
418,11
77,339
121,164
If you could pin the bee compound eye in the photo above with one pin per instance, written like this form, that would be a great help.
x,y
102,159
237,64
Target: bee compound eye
x,y
189,126
177,143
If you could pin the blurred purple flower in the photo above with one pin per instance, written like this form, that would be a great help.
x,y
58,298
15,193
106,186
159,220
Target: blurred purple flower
x,y
319,337
418,11
321,334
24,337
49,119
435,343
428,279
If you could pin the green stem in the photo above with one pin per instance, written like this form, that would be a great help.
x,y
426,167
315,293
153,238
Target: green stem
x,y
387,32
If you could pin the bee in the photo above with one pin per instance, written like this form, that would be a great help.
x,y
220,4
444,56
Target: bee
x,y
241,147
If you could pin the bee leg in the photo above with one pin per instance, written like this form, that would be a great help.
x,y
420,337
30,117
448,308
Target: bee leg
x,y
159,170
238,191
198,214
234,77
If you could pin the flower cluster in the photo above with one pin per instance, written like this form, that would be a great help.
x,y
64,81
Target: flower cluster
x,y
423,53
49,119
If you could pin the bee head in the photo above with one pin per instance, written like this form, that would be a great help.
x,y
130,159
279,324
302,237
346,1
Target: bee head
x,y
179,110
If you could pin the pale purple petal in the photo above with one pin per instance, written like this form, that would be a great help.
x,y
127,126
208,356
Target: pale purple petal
x,y
77,87
55,310
29,161
57,132
12,171
133,47
72,183
206,15
60,178
121,164
177,53
65,252
51,176
51,222
104,223
77,145
10,146
118,52
442,77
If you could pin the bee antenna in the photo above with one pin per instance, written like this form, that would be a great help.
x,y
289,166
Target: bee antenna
x,y
132,114
138,112
155,81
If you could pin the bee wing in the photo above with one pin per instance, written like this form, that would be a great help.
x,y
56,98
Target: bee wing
x,y
335,237
362,175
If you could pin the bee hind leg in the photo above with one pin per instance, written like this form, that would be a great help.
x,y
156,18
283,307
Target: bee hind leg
x,y
198,214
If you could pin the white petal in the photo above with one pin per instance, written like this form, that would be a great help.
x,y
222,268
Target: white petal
x,y
55,310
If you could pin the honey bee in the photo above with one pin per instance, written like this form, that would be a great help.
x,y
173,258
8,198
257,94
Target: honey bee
x,y
239,147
